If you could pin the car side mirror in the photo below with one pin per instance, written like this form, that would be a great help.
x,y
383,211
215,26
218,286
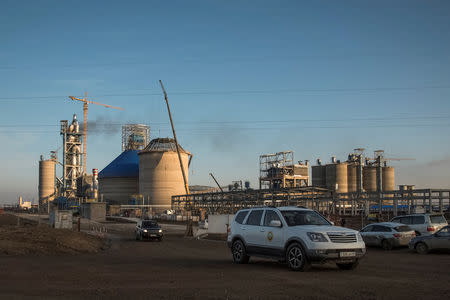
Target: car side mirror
x,y
275,223
332,223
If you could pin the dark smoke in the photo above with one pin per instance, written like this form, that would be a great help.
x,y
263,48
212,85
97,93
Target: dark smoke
x,y
102,125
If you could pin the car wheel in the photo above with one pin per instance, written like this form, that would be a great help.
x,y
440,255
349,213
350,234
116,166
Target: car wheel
x,y
422,248
239,253
386,245
348,266
296,258
160,239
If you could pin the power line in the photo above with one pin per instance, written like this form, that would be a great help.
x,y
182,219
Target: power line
x,y
391,118
205,131
233,92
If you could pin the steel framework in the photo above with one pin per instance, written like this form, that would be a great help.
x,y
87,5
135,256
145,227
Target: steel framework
x,y
135,136
323,200
279,171
72,161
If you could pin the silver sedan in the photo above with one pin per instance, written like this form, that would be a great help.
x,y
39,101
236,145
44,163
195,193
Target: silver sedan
x,y
438,241
387,235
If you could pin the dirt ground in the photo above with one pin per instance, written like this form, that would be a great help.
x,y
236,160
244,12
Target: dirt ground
x,y
181,268
28,238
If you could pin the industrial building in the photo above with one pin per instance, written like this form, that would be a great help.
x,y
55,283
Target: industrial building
x,y
357,174
160,174
357,186
279,171
152,176
119,180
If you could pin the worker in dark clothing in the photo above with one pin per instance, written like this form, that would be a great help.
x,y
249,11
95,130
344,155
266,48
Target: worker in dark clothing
x,y
342,222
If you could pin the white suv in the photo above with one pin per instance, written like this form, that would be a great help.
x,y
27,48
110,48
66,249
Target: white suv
x,y
294,235
423,224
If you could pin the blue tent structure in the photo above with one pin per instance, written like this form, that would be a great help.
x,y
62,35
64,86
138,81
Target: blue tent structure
x,y
125,165
119,180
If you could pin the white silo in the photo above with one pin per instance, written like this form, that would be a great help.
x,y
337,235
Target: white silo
x,y
46,182
160,175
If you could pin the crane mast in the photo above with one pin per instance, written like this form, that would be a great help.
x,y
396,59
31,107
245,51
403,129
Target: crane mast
x,y
85,109
175,138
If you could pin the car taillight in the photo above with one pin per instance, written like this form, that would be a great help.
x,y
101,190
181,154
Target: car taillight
x,y
431,228
397,235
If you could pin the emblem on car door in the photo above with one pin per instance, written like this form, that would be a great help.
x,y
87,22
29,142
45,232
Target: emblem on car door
x,y
270,235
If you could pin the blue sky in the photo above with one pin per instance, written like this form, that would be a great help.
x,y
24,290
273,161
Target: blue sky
x,y
244,78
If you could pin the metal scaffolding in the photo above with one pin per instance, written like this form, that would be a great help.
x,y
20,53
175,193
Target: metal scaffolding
x,y
135,136
279,171
320,199
72,161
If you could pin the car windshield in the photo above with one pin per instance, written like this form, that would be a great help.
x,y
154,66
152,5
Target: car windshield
x,y
402,228
150,224
302,217
438,219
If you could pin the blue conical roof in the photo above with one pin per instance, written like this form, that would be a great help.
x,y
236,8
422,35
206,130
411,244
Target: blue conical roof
x,y
125,165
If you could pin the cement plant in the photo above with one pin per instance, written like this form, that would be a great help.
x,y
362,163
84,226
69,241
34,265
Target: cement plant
x,y
220,150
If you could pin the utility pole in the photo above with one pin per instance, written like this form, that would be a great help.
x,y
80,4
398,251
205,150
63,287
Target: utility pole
x,y
176,141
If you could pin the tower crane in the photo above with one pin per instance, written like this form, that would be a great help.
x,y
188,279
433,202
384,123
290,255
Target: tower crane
x,y
85,108
380,159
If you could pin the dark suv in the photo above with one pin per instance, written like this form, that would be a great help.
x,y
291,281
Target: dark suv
x,y
148,229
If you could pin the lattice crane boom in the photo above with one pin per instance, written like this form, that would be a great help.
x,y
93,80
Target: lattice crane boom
x,y
85,108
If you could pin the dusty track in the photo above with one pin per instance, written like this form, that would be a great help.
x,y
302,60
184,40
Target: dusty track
x,y
187,268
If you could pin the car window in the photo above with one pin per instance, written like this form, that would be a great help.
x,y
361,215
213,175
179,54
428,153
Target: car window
x,y
255,217
270,216
303,217
367,229
438,219
402,228
241,216
379,228
445,232
418,220
150,224
403,220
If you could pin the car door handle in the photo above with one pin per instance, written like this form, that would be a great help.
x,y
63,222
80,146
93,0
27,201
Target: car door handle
x,y
262,230
242,228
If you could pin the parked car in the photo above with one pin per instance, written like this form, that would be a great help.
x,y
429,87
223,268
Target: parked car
x,y
148,229
297,236
423,224
387,235
438,241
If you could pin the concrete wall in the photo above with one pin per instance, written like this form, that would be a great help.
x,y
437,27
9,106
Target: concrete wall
x,y
61,219
95,211
218,223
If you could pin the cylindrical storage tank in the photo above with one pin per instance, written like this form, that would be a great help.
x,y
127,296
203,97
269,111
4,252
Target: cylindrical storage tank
x,y
318,176
388,177
336,177
119,181
352,176
160,175
370,178
46,181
